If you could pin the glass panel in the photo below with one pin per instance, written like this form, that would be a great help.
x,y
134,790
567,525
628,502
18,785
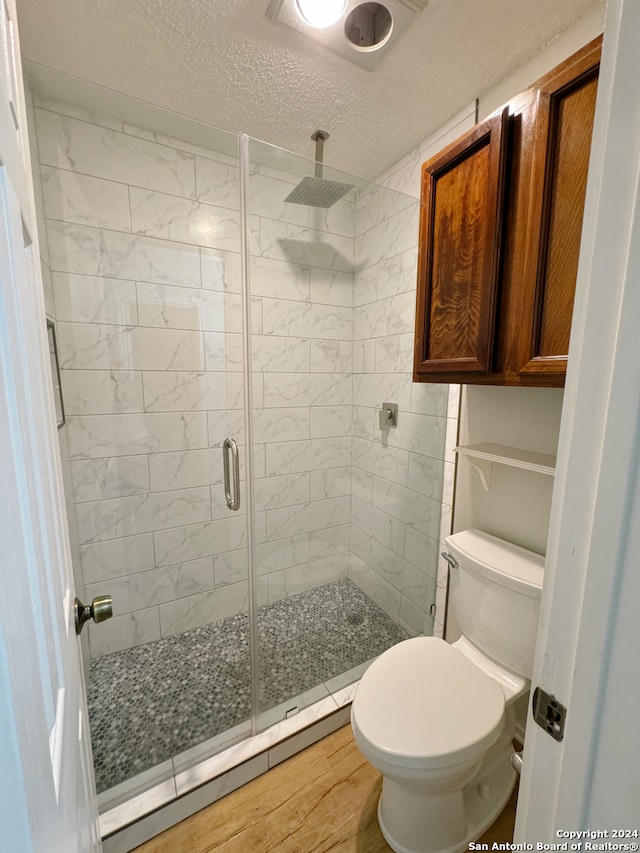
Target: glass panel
x,y
143,220
346,524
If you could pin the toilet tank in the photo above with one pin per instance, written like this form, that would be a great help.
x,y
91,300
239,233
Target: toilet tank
x,y
494,595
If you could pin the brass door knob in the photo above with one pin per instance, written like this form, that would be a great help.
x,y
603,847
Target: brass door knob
x,y
100,609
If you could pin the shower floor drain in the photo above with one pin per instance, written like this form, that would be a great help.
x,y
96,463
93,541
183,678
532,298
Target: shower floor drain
x,y
355,617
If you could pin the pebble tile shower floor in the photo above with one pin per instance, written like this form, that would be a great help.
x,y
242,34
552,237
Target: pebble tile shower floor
x,y
154,701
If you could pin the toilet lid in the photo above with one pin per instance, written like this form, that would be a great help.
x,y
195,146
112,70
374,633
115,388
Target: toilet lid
x,y
423,704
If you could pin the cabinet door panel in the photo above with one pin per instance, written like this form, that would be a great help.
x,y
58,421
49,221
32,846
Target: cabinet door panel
x,y
566,193
459,254
566,109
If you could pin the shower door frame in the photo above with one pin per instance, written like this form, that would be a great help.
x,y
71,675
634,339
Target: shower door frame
x,y
245,263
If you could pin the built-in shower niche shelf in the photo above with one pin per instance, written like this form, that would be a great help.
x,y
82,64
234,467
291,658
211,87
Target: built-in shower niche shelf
x,y
482,457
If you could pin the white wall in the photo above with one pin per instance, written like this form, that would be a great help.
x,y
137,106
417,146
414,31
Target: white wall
x,y
518,503
583,31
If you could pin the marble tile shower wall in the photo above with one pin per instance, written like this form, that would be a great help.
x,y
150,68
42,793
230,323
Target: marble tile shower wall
x,y
397,475
143,237
63,432
403,479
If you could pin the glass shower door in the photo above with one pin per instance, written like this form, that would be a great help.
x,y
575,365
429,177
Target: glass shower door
x,y
147,301
317,627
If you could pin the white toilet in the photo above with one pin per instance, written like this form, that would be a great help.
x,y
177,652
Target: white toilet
x,y
437,719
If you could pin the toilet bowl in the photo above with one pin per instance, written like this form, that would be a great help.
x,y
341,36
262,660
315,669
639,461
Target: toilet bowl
x,y
437,720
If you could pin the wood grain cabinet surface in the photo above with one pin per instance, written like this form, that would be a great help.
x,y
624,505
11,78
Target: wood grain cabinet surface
x,y
500,226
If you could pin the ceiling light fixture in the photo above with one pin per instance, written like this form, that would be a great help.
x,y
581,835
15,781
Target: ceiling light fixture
x,y
320,13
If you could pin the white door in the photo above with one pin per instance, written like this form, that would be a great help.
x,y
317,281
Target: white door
x,y
589,640
47,796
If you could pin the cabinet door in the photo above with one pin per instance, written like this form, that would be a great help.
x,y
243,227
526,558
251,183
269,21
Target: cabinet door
x,y
459,253
559,163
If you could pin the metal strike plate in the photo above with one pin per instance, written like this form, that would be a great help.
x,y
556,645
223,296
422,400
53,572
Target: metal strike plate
x,y
548,713
388,415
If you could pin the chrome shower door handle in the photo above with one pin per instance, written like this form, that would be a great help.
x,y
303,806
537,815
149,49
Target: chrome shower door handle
x,y
230,448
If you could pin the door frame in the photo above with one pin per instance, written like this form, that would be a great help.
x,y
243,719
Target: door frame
x,y
47,792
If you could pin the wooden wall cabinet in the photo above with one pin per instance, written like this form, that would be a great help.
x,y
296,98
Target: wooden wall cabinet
x,y
500,226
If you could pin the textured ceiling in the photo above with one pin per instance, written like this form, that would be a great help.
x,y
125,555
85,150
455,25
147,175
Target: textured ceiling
x,y
225,63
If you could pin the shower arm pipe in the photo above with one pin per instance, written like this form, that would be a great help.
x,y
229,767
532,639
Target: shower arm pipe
x,y
319,137
245,258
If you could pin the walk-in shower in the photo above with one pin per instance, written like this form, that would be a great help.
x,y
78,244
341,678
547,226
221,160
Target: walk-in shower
x,y
194,305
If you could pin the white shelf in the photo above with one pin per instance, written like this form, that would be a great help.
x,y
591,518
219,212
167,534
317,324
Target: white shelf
x,y
483,456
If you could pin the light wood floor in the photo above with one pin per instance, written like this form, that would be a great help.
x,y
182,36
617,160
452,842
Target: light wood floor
x,y
325,798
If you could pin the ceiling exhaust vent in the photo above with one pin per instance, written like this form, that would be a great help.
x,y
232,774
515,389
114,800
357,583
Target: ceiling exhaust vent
x,y
363,35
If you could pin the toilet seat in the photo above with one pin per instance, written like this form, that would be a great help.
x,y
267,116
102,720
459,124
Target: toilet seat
x,y
423,705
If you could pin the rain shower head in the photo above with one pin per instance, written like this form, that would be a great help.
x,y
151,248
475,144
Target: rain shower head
x,y
318,191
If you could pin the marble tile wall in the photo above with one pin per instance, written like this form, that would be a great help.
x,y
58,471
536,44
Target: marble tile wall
x,y
402,477
51,313
143,240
